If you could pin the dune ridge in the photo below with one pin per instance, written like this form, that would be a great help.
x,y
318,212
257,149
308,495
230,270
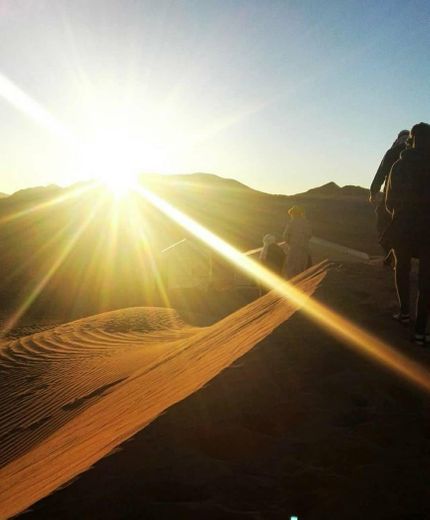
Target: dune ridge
x,y
71,394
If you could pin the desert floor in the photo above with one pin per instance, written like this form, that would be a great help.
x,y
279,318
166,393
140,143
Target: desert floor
x,y
301,425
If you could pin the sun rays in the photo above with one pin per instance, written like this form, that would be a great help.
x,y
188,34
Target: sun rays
x,y
129,212
40,285
350,333
28,106
53,201
113,158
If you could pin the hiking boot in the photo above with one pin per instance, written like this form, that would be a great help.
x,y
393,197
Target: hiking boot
x,y
402,318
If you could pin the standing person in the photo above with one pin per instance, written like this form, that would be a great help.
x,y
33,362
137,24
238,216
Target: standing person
x,y
383,218
408,200
297,234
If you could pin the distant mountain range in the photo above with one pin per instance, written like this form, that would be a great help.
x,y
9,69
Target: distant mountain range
x,y
331,189
244,215
107,261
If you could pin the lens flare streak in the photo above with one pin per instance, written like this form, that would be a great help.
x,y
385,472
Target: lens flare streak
x,y
26,104
344,329
340,327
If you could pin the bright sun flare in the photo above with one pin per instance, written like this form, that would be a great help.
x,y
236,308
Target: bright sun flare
x,y
120,184
113,161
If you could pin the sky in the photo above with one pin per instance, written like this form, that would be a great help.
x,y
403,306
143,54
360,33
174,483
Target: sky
x,y
281,95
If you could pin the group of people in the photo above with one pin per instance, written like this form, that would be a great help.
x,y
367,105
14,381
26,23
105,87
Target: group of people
x,y
403,226
293,257
403,220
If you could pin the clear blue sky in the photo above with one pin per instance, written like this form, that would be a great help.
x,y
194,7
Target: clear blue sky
x,y
281,95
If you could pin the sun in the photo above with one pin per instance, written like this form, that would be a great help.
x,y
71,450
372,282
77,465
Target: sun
x,y
116,174
119,184
113,160
119,139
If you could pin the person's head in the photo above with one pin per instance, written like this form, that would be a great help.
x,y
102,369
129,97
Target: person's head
x,y
269,239
401,138
296,212
420,136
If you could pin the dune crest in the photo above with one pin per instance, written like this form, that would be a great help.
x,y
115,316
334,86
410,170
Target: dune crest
x,y
69,395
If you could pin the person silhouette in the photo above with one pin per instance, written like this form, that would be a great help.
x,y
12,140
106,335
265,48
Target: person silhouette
x,y
297,234
383,218
408,200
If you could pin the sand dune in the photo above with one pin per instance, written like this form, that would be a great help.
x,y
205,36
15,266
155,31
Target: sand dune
x,y
70,394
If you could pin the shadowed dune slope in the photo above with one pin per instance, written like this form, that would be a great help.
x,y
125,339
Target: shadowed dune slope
x,y
69,395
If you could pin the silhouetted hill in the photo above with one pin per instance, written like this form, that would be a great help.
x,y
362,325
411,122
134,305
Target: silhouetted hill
x,y
36,192
243,215
75,255
341,214
202,180
331,189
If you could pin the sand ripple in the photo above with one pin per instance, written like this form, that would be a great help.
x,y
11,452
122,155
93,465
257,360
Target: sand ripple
x,y
69,395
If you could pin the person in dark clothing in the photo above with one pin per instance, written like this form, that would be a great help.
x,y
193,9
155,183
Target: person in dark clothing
x,y
408,201
297,235
383,218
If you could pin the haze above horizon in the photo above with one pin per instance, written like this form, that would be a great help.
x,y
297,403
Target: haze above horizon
x,y
282,96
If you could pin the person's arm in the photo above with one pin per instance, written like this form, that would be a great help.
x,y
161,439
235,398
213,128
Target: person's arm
x,y
380,176
393,191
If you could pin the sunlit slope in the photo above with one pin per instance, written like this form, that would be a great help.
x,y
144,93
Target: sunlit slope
x,y
109,250
69,395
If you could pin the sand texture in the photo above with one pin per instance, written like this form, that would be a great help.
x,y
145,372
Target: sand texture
x,y
300,425
71,394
